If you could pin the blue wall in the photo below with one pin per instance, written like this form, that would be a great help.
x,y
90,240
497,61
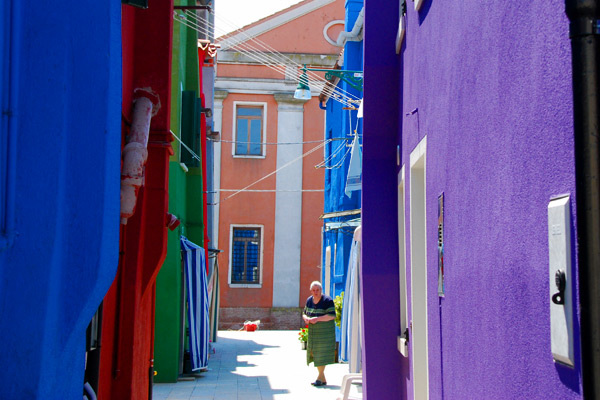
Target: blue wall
x,y
60,188
340,126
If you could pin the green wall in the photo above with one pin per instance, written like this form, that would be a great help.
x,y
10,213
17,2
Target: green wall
x,y
185,202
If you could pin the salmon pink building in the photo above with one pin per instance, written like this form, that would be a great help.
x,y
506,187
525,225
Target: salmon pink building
x,y
269,193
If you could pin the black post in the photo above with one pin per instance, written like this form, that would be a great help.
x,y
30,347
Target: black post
x,y
584,32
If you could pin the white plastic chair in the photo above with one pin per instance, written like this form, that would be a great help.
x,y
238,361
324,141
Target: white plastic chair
x,y
347,382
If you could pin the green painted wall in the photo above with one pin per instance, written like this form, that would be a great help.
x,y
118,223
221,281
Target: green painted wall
x,y
185,201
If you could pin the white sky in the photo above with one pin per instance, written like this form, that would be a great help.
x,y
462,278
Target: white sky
x,y
233,14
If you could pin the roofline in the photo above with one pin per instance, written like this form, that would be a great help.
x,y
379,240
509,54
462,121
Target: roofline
x,y
271,22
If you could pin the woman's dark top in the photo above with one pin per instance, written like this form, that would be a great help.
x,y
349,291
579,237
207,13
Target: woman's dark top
x,y
323,307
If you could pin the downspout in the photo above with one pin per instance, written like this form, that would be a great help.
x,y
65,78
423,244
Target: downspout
x,y
584,30
135,152
356,34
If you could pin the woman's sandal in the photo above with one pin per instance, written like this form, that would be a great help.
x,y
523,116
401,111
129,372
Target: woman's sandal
x,y
318,383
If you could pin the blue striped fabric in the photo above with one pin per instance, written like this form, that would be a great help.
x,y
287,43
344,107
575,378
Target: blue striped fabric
x,y
194,263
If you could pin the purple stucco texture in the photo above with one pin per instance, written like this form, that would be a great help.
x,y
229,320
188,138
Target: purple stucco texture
x,y
489,85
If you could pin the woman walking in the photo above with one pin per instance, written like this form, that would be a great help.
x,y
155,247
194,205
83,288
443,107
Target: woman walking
x,y
319,315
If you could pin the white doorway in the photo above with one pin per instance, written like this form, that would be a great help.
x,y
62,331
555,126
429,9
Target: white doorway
x,y
402,339
418,273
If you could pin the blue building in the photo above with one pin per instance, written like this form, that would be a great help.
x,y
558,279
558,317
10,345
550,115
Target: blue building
x,y
59,187
342,211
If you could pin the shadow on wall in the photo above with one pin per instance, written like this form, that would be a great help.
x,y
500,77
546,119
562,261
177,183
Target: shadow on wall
x,y
424,10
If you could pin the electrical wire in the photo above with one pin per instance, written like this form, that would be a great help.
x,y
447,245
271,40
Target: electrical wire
x,y
268,47
274,172
269,61
275,143
194,155
266,190
323,164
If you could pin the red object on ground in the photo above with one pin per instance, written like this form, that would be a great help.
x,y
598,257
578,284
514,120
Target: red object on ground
x,y
249,326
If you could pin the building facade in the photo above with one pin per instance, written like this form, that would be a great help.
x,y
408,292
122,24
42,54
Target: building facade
x,y
187,187
468,156
59,188
126,335
269,193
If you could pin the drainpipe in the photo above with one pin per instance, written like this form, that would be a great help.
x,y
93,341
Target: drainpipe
x,y
584,30
356,34
135,152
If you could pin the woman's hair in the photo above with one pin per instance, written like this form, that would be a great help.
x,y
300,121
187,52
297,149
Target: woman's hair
x,y
316,283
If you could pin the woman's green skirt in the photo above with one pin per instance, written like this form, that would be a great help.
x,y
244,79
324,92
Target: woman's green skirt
x,y
320,348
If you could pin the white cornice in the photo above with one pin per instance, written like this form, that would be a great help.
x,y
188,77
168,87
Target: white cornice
x,y
273,23
256,86
316,60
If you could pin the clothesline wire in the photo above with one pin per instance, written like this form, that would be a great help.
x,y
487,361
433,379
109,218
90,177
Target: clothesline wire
x,y
323,164
272,62
266,46
277,170
280,57
277,143
264,190
236,191
194,155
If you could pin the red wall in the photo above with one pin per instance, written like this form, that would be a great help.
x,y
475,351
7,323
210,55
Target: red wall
x,y
128,308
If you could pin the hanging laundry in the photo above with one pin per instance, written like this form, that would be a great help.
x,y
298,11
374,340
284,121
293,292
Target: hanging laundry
x,y
194,263
353,181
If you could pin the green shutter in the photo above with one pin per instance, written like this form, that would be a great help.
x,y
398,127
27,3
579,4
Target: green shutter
x,y
190,127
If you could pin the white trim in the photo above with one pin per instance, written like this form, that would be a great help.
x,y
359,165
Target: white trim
x,y
262,235
234,128
261,86
232,57
402,306
245,285
219,98
418,152
401,32
327,278
418,272
272,23
329,25
418,4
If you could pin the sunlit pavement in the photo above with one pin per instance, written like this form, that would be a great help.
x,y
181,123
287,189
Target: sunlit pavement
x,y
256,365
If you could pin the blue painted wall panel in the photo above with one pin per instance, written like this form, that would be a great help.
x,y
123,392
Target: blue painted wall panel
x,y
66,130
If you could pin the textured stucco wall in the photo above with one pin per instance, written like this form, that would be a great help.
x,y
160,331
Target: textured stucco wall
x,y
65,130
492,86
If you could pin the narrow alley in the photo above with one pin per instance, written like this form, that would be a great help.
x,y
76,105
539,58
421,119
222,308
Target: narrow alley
x,y
256,365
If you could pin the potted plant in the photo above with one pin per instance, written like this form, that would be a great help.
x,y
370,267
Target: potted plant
x,y
303,337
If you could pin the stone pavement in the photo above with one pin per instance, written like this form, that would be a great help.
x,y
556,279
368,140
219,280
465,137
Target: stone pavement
x,y
256,366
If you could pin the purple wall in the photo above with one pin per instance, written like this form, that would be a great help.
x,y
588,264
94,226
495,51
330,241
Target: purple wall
x,y
492,85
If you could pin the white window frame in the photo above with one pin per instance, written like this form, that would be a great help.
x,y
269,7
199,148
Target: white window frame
x,y
419,277
403,305
229,273
264,128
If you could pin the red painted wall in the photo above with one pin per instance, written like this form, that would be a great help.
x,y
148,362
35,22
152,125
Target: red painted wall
x,y
247,208
128,313
303,35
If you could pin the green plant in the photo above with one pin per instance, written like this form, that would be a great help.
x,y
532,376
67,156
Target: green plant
x,y
303,334
338,301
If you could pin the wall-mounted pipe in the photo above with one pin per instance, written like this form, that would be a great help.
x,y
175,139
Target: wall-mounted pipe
x,y
356,34
584,16
135,152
